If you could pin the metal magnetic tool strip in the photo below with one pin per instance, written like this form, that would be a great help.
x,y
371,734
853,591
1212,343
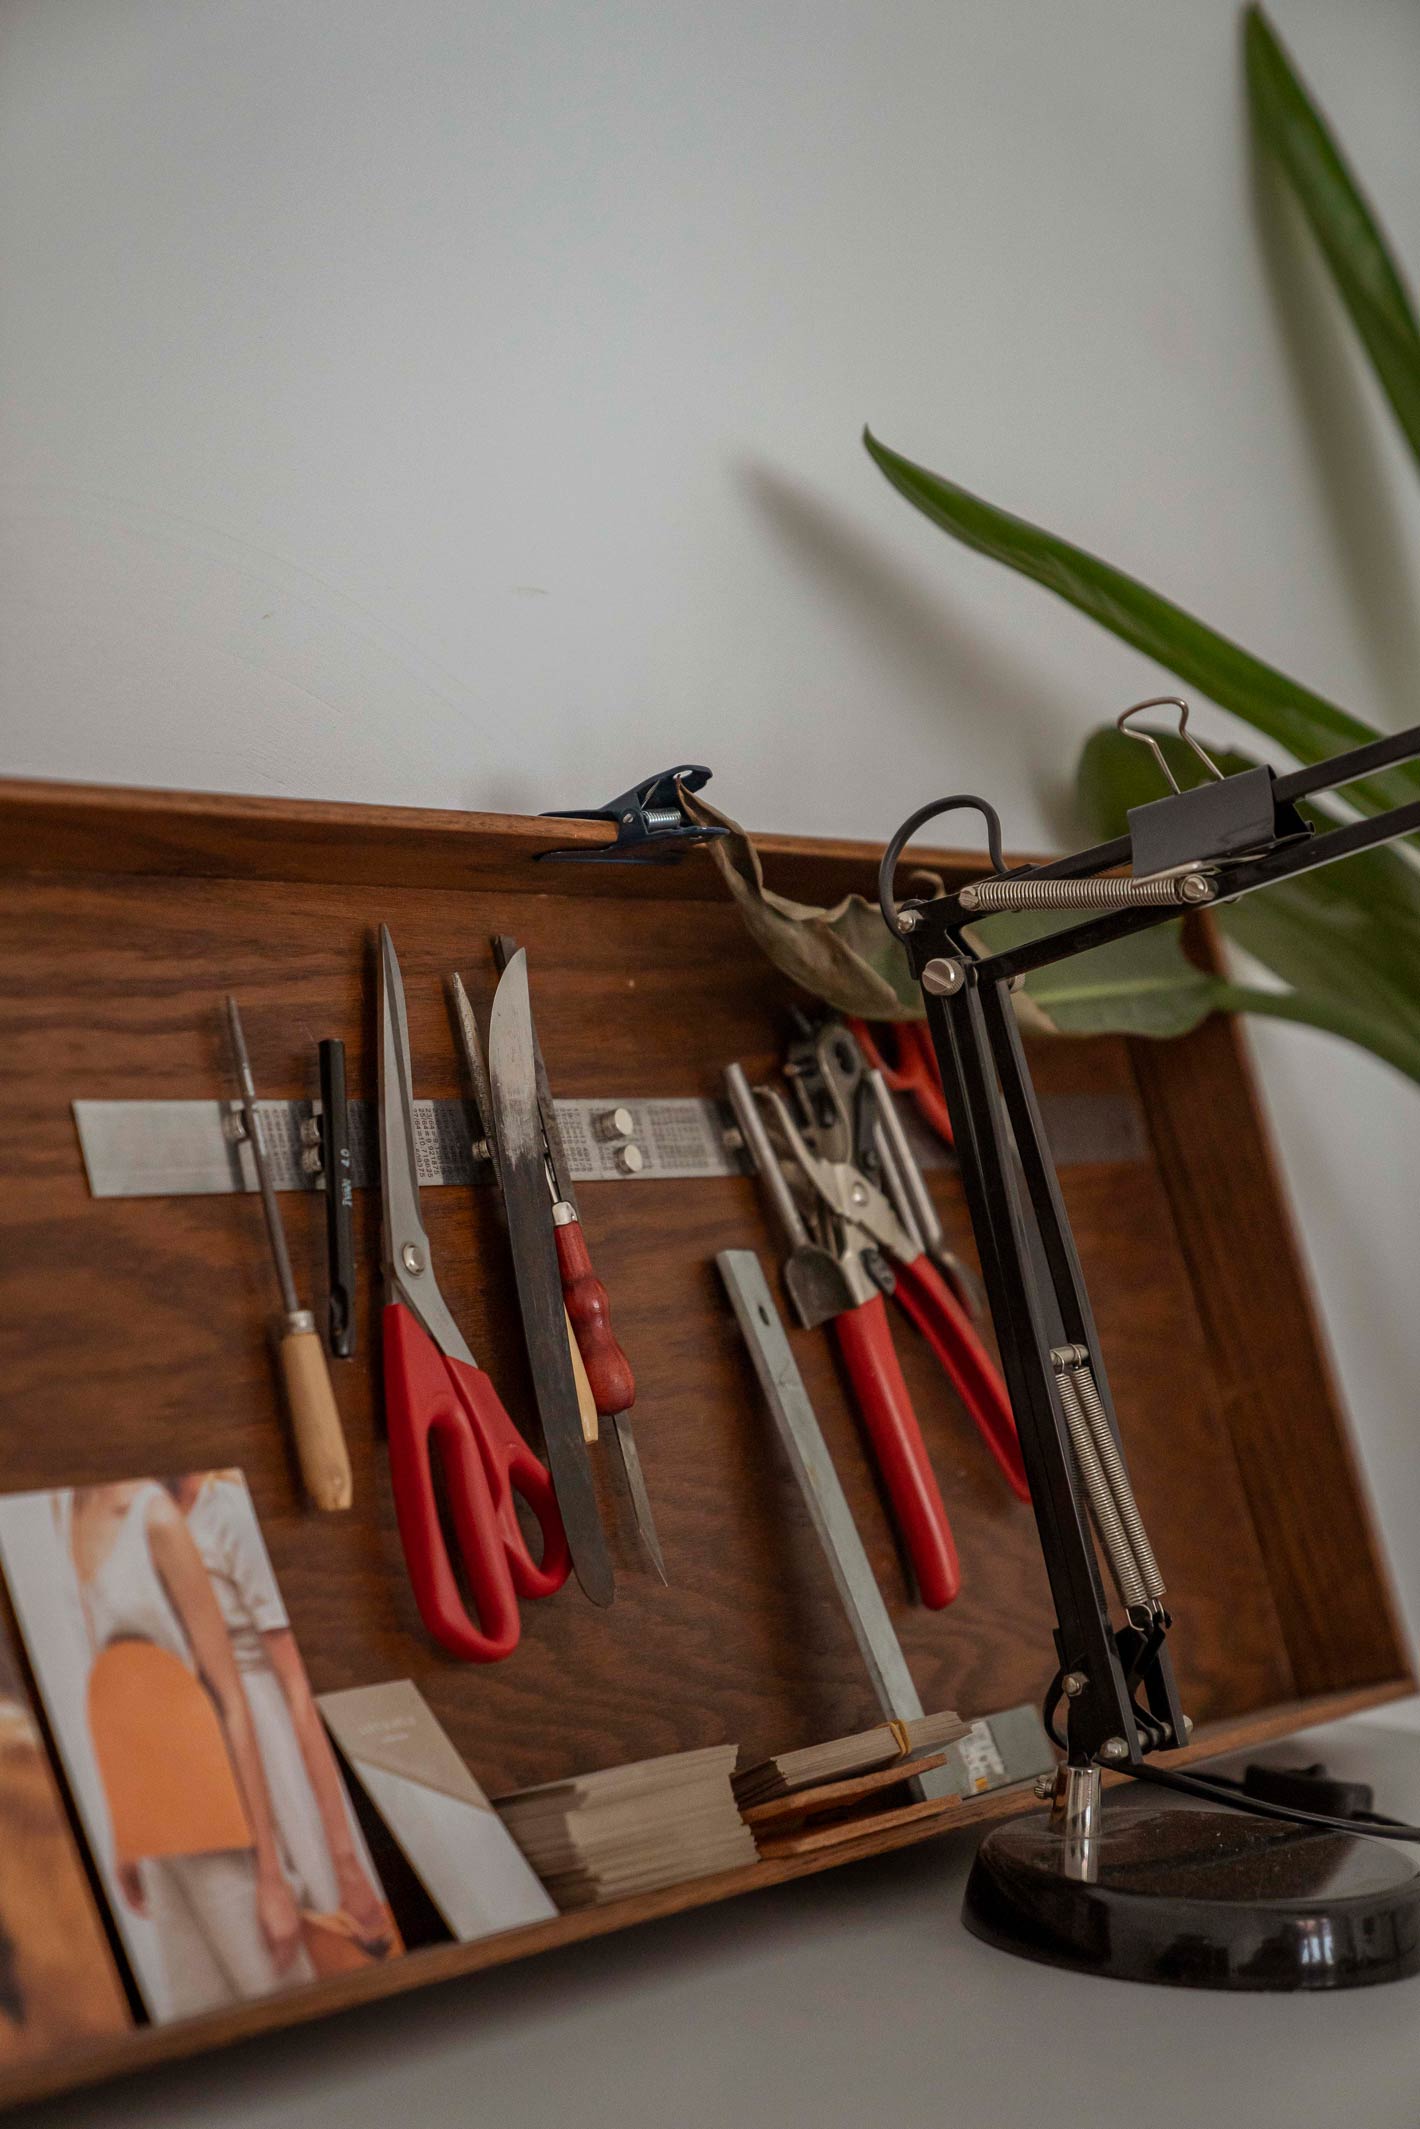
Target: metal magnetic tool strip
x,y
184,1148
158,1149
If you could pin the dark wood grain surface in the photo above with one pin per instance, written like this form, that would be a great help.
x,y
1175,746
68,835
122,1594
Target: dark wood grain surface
x,y
159,1308
133,1333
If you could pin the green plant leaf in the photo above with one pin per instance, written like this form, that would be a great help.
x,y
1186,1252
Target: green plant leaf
x,y
1350,238
1144,984
1392,1045
1305,723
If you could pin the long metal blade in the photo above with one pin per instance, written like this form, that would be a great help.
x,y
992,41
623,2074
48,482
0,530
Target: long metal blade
x,y
504,949
824,1497
522,1167
636,1487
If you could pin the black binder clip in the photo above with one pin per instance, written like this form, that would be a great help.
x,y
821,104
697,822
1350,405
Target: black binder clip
x,y
1223,818
652,826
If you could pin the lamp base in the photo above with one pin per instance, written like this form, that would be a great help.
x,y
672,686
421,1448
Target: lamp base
x,y
1197,1897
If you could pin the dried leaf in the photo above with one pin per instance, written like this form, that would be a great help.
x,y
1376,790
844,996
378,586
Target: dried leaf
x,y
845,955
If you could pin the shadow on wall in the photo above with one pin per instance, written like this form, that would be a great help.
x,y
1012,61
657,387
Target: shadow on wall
x,y
1374,555
926,651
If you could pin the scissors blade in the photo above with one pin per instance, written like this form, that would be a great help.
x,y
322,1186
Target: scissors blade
x,y
477,1066
408,1258
522,1167
504,949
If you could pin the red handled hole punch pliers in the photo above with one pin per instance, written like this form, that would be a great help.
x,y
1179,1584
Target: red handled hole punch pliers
x,y
853,1240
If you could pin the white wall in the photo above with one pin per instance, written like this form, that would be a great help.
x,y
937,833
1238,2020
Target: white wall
x,y
459,404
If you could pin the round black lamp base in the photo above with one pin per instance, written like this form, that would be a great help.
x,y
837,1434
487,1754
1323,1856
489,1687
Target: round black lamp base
x,y
1201,1897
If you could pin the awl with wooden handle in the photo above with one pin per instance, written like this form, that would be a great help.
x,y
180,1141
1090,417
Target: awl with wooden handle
x,y
315,1416
588,1306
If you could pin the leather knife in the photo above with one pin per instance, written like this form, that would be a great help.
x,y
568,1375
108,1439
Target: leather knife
x,y
512,1075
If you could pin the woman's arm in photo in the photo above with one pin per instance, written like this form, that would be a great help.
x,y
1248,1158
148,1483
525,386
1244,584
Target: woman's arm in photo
x,y
357,1895
185,1578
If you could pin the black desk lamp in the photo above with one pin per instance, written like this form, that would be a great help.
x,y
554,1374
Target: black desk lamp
x,y
1219,1890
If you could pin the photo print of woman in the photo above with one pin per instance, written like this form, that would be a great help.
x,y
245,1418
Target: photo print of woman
x,y
182,1711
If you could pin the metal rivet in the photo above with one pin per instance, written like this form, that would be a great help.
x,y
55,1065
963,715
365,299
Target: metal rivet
x,y
1073,1684
942,977
1196,887
1188,1726
1114,1748
908,920
412,1258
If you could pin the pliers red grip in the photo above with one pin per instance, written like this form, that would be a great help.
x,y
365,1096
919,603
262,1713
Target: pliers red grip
x,y
890,1423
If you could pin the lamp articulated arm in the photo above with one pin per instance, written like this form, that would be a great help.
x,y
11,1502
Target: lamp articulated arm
x,y
1187,850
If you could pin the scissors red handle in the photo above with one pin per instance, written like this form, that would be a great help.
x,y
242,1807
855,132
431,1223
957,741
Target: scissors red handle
x,y
891,1424
434,1402
914,1070
944,1323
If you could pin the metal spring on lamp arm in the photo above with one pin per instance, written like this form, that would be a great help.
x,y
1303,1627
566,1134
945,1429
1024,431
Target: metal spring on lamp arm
x,y
1007,891
1114,1509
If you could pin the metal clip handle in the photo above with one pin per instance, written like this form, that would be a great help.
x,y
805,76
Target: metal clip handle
x,y
1147,739
652,825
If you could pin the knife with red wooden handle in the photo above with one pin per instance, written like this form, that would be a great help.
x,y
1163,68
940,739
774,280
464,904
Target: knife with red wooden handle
x,y
589,1313
609,1376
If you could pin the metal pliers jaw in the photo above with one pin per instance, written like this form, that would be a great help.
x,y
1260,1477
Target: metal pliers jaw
x,y
849,1218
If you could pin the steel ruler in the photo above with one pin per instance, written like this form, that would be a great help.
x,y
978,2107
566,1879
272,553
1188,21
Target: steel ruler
x,y
159,1149
1010,1746
145,1149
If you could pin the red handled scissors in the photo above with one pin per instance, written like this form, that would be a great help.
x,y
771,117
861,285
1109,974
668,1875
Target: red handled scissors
x,y
437,1397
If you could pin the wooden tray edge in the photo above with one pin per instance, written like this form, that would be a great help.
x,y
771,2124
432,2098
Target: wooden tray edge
x,y
149,2046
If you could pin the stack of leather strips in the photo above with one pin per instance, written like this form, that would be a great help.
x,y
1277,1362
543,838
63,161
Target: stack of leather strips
x,y
630,1829
887,1744
825,1795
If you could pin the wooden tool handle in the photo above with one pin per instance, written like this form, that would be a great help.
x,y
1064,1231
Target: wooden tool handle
x,y
586,1403
315,1419
589,1313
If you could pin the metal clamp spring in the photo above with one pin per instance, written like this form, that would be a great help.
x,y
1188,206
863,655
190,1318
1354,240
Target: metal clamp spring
x,y
1106,1482
1009,892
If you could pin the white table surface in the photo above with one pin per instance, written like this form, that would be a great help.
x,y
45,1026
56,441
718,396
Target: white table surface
x,y
853,1998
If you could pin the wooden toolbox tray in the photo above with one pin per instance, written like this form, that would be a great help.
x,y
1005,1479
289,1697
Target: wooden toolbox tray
x,y
132,1329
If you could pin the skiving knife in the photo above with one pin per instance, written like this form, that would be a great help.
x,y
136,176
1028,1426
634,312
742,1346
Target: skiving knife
x,y
607,1371
512,1074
